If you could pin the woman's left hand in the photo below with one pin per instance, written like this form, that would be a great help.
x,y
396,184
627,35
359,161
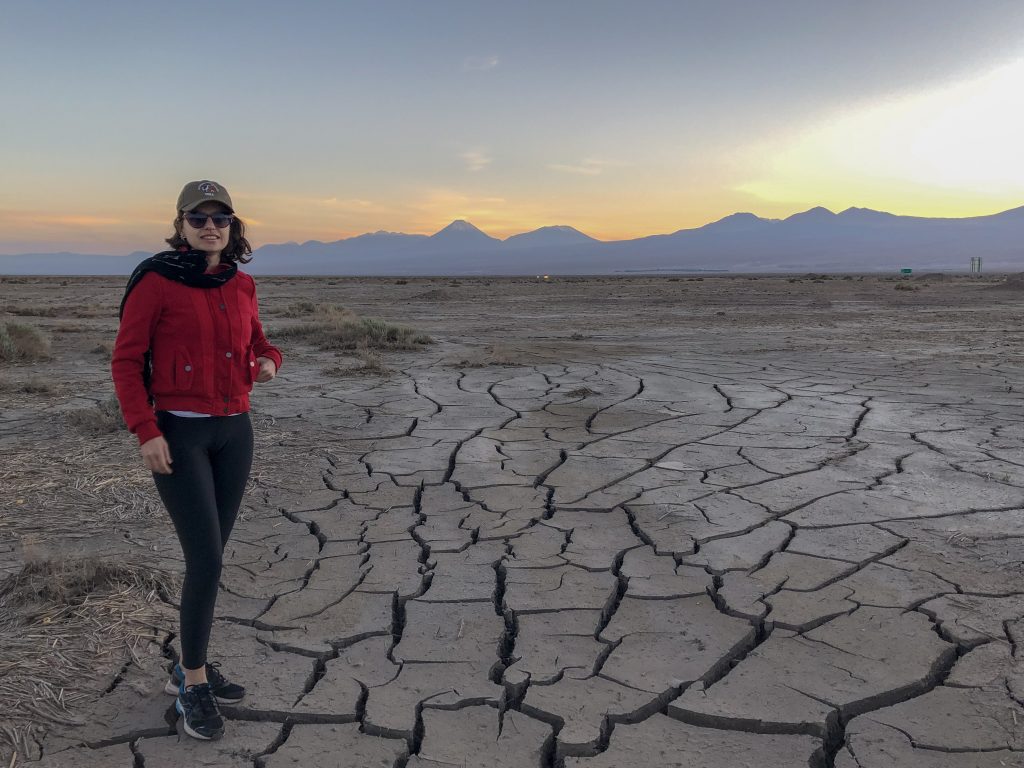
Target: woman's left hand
x,y
268,369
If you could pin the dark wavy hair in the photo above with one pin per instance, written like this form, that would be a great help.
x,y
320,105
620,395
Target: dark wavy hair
x,y
237,250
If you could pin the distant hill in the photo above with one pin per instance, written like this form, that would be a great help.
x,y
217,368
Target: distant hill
x,y
461,236
854,240
549,237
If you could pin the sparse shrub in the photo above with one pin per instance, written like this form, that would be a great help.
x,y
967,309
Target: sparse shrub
x,y
299,309
369,364
401,282
104,348
336,328
434,294
69,328
577,336
93,310
37,385
904,287
101,419
581,392
31,311
34,385
22,343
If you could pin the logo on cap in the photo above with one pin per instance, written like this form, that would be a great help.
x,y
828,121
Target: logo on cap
x,y
208,188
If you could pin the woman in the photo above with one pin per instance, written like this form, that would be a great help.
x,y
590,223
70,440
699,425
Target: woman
x,y
188,350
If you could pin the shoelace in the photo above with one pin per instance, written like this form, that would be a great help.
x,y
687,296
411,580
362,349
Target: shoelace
x,y
201,698
213,673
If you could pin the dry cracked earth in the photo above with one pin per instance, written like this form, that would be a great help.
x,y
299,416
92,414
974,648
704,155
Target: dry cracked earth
x,y
789,535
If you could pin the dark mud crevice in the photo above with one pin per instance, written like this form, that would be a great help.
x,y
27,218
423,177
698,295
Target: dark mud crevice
x,y
589,423
317,674
276,744
941,668
615,599
118,678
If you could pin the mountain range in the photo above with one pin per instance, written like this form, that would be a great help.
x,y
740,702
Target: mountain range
x,y
855,240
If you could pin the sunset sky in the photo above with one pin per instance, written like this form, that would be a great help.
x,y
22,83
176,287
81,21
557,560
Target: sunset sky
x,y
330,119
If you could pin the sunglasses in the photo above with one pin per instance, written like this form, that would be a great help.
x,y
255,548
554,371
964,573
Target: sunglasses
x,y
198,220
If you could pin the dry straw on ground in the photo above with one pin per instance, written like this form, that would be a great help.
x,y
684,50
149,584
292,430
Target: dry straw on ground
x,y
80,489
68,626
61,623
20,343
332,327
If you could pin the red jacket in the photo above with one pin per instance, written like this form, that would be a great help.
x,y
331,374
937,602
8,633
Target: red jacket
x,y
204,342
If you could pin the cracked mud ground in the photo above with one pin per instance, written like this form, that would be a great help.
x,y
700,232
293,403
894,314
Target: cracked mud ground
x,y
786,536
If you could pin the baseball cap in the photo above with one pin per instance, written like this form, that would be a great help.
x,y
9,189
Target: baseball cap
x,y
195,193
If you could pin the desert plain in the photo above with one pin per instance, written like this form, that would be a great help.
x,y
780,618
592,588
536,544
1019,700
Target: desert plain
x,y
718,521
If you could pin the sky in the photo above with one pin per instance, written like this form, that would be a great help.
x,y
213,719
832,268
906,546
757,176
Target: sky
x,y
329,119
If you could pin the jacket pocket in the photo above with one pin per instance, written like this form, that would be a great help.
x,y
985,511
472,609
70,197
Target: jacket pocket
x,y
184,371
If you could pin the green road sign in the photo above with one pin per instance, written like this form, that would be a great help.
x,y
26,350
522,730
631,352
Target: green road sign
x,y
905,271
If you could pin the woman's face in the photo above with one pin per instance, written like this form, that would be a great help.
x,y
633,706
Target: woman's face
x,y
207,236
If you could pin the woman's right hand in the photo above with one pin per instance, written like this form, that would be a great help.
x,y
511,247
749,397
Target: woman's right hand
x,y
156,455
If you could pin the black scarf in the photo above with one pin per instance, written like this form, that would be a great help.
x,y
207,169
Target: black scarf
x,y
188,267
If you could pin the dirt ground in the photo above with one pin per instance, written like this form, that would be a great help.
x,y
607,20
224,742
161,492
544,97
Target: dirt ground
x,y
659,521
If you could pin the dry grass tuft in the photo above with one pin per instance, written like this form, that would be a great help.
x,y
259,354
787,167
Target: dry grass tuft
x,y
22,343
370,364
101,419
581,392
104,349
336,328
32,311
299,309
60,622
34,385
71,328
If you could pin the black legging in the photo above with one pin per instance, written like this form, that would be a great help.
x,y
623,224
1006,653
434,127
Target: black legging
x,y
211,458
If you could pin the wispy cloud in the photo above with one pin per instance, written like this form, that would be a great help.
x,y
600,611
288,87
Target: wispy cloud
x,y
350,204
476,160
588,167
480,63
32,219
